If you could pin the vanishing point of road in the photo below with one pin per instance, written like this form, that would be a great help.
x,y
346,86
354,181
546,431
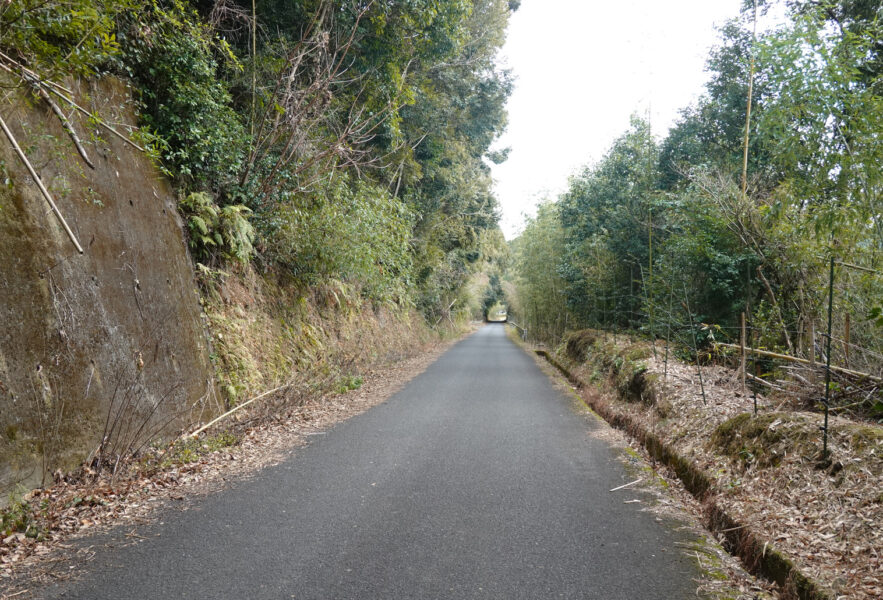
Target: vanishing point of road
x,y
479,479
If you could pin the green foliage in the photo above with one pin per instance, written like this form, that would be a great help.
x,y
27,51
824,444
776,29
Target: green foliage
x,y
825,117
355,132
355,232
173,59
605,216
538,254
355,137
493,295
348,383
61,37
655,228
215,232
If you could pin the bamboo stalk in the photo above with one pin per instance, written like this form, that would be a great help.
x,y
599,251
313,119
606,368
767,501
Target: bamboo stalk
x,y
748,110
27,71
856,267
65,123
742,355
53,87
99,121
236,408
686,304
812,351
40,185
801,360
764,382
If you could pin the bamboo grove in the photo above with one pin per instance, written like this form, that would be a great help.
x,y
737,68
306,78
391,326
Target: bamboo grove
x,y
659,225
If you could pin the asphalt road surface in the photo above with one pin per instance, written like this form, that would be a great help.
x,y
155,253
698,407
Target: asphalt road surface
x,y
477,480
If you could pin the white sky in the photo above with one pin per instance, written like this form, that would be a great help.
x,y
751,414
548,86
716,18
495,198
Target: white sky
x,y
582,68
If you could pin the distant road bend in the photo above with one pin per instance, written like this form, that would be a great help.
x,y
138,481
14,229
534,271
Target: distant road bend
x,y
477,480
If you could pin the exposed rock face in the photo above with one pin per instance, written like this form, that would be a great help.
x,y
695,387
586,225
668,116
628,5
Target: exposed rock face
x,y
110,343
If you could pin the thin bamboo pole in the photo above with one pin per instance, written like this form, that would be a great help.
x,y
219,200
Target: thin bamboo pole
x,y
742,353
54,88
235,409
695,344
812,351
828,358
668,333
748,109
40,185
804,361
650,266
66,124
254,59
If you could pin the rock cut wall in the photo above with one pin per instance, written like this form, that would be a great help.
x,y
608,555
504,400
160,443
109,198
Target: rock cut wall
x,y
106,344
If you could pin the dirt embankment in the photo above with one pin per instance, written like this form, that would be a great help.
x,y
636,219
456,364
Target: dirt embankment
x,y
811,525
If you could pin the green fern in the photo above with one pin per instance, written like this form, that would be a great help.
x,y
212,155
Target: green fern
x,y
217,233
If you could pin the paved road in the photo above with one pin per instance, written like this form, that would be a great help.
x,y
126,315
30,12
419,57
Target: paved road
x,y
478,480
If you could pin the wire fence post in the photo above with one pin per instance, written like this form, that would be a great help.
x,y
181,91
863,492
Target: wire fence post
x,y
667,334
695,345
754,388
750,333
742,360
649,301
828,359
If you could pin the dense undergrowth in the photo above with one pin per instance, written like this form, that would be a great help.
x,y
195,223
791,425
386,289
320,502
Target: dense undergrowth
x,y
335,141
268,333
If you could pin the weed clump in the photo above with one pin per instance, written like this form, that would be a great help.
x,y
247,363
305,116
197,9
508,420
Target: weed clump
x,y
191,450
22,518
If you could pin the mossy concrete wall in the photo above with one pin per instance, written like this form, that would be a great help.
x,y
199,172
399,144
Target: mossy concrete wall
x,y
110,343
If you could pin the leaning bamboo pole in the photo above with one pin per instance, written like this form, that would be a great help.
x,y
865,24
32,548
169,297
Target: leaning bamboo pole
x,y
804,361
236,408
40,185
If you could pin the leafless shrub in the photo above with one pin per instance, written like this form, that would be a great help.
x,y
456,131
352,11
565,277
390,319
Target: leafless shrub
x,y
228,18
303,128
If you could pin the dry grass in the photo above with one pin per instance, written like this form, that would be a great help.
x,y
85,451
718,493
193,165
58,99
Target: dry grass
x,y
826,515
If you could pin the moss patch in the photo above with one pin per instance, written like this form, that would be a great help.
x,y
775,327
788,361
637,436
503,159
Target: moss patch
x,y
578,344
764,440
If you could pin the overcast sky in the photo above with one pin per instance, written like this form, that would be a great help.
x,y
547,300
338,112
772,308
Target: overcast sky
x,y
582,67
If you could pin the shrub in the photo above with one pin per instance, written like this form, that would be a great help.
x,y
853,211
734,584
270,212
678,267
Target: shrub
x,y
171,56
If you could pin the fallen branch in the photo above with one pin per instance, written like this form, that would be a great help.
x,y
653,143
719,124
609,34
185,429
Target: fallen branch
x,y
236,408
762,381
99,121
40,185
44,84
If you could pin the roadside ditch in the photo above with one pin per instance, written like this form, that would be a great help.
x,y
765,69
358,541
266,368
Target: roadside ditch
x,y
806,524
